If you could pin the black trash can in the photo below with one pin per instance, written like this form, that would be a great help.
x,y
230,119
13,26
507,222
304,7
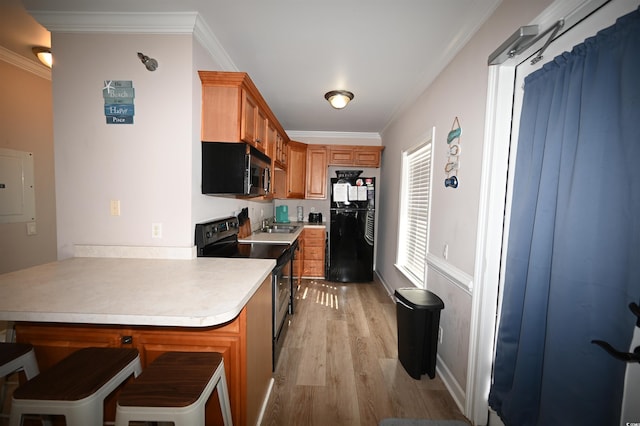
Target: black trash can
x,y
418,317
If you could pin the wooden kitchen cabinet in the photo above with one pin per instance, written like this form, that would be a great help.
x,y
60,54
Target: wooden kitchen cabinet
x,y
233,110
253,123
281,151
316,179
296,170
341,155
245,343
298,259
313,255
355,155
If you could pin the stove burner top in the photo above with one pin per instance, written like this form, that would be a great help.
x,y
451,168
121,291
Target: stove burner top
x,y
235,249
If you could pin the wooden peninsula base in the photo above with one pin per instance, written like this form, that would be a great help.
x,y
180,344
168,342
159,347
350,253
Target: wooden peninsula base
x,y
245,343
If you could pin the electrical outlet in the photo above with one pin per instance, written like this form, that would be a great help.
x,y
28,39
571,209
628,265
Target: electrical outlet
x,y
156,230
445,251
440,335
115,208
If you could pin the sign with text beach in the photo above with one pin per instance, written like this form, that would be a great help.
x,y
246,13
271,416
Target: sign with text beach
x,y
118,101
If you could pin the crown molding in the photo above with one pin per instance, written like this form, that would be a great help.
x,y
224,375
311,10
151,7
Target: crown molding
x,y
116,22
25,64
208,39
334,135
138,23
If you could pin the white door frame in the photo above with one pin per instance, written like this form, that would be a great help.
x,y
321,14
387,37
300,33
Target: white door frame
x,y
493,192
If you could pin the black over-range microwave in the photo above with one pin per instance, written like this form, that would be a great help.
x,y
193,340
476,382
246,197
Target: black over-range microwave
x,y
230,168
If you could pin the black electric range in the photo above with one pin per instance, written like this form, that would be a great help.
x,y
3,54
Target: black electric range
x,y
219,238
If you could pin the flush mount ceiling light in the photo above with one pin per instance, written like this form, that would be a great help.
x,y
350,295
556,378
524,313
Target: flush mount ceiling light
x,y
44,55
338,98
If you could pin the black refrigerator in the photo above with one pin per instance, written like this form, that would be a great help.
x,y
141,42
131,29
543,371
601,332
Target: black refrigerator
x,y
351,232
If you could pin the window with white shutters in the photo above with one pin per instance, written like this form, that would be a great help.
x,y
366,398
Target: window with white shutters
x,y
414,212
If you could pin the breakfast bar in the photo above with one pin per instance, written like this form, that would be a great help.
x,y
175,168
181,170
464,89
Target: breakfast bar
x,y
154,305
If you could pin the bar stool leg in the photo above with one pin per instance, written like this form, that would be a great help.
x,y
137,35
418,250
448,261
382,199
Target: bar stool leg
x,y
223,396
152,396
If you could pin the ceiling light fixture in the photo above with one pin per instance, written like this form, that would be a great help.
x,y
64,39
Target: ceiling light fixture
x,y
338,98
44,55
148,62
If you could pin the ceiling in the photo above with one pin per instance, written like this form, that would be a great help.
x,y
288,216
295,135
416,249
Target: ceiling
x,y
385,52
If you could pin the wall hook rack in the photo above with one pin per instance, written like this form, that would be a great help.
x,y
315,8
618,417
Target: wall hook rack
x,y
453,161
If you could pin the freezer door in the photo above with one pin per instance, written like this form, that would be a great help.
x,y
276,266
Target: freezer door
x,y
353,193
351,245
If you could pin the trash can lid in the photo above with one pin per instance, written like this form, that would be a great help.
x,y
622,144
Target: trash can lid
x,y
419,298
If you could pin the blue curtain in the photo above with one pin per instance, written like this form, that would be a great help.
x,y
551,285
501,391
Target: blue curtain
x,y
573,260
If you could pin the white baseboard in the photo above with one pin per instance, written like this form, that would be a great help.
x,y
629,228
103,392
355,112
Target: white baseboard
x,y
450,382
390,291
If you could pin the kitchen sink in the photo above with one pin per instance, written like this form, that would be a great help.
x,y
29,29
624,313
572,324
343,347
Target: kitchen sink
x,y
282,229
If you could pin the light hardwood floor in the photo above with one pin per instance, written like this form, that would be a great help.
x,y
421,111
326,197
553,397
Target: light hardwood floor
x,y
339,364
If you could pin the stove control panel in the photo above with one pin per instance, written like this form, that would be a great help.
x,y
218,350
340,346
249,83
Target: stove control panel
x,y
214,231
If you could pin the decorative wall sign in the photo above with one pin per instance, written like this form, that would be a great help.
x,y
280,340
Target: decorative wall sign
x,y
453,160
118,101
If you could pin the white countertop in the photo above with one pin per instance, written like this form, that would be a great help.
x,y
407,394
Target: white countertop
x,y
198,292
280,238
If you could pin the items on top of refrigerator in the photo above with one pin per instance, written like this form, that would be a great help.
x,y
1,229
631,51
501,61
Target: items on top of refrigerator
x,y
348,174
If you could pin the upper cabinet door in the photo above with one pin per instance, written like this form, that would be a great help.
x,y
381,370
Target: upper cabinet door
x,y
249,116
297,170
367,156
354,155
341,155
316,172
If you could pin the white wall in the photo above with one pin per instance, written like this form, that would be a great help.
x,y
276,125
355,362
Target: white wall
x,y
26,124
153,166
145,165
459,91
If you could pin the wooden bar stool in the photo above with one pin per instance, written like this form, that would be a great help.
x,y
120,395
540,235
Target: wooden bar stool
x,y
76,386
18,357
175,388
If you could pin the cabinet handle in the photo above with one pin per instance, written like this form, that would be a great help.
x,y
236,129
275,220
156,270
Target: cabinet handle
x,y
126,340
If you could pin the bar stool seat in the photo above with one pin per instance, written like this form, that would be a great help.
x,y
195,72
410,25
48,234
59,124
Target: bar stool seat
x,y
18,356
175,387
76,386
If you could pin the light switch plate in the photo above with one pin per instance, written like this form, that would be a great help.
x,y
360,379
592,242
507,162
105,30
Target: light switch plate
x,y
31,228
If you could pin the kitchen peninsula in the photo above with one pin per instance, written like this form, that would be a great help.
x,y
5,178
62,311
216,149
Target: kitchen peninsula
x,y
154,305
